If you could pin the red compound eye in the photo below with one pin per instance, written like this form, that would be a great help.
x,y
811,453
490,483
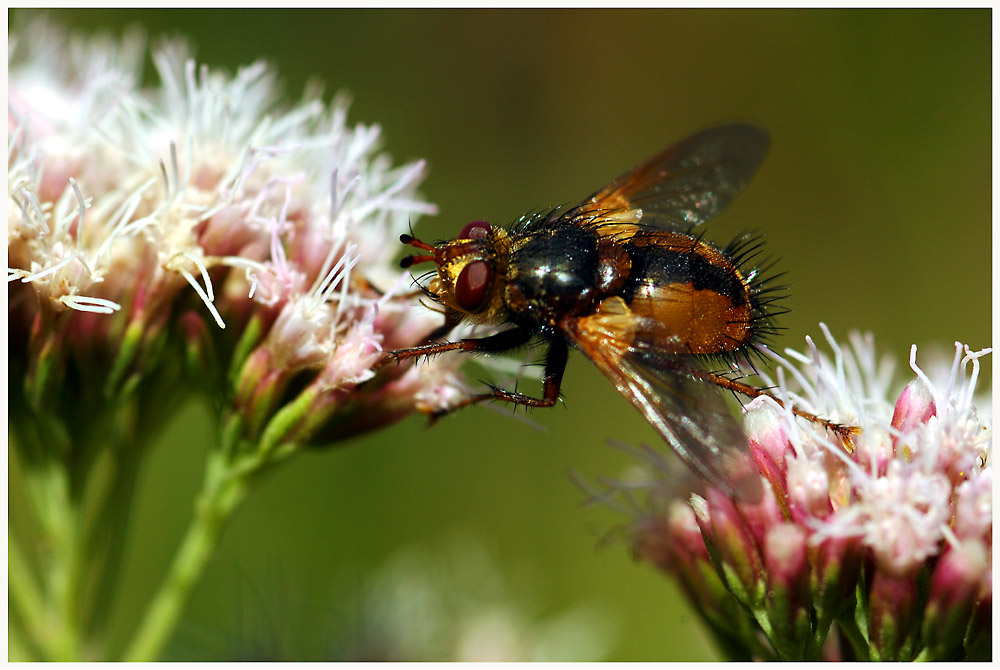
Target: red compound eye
x,y
473,280
475,230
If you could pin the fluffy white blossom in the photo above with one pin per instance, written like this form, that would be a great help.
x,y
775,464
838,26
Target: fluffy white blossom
x,y
194,238
828,565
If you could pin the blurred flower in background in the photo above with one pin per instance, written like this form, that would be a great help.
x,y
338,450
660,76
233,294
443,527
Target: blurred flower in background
x,y
880,554
456,603
195,237
429,601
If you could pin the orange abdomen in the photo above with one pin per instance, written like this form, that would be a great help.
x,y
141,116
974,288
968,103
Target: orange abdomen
x,y
693,289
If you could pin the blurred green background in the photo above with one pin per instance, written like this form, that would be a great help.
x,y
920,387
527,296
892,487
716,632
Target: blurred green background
x,y
876,197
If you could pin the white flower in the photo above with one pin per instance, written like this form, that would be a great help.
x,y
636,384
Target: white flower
x,y
192,239
116,190
846,530
910,457
138,201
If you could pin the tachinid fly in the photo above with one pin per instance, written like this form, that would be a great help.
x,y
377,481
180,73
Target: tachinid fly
x,y
623,278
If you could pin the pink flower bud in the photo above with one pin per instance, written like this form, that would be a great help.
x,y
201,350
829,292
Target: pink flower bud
x,y
769,444
729,539
914,407
891,601
785,559
954,589
787,602
808,488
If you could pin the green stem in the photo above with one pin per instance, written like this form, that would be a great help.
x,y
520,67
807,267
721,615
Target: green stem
x,y
25,600
225,487
106,541
57,631
856,637
66,573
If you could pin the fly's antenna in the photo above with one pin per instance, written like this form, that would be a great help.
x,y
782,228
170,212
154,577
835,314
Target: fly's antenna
x,y
416,258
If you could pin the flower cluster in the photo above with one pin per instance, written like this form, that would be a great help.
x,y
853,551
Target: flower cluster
x,y
194,238
880,550
202,208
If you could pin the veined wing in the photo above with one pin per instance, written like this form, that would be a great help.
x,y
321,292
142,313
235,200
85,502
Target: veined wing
x,y
682,187
689,413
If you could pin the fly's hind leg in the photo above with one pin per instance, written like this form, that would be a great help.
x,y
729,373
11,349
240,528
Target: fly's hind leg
x,y
845,433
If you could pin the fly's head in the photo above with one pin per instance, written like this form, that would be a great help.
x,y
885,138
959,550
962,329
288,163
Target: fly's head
x,y
470,272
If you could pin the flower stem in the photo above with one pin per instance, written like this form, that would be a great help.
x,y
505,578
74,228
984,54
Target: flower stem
x,y
852,630
225,487
26,600
55,620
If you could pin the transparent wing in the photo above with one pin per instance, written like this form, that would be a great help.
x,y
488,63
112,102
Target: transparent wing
x,y
688,412
683,186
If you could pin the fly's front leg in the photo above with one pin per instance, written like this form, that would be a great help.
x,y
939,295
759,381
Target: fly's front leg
x,y
508,339
424,350
555,366
429,349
